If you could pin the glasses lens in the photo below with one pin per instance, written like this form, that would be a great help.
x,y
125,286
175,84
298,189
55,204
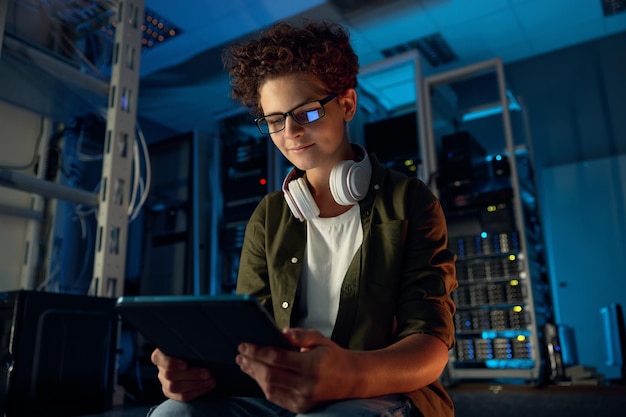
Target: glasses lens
x,y
308,113
271,124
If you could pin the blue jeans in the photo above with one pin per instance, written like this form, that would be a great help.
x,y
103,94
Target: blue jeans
x,y
386,406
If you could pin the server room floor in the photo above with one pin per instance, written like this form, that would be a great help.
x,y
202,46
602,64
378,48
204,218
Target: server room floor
x,y
493,400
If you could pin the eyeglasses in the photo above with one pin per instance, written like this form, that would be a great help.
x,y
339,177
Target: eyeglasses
x,y
303,114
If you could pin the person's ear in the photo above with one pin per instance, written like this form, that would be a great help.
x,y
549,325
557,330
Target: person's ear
x,y
348,101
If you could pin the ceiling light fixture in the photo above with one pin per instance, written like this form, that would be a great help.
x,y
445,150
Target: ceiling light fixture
x,y
156,29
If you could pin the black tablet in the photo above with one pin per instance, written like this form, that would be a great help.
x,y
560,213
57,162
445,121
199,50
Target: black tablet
x,y
205,331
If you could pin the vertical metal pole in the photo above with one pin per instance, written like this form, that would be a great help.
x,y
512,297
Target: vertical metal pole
x,y
195,212
217,204
111,237
519,213
33,227
419,103
427,137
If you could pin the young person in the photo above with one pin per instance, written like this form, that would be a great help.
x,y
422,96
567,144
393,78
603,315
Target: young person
x,y
350,257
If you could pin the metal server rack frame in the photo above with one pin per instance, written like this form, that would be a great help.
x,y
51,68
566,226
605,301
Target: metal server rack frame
x,y
111,240
112,232
456,370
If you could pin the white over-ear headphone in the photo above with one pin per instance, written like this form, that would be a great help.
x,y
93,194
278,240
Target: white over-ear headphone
x,y
349,182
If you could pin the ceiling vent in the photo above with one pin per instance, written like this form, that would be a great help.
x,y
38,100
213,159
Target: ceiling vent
x,y
432,47
611,7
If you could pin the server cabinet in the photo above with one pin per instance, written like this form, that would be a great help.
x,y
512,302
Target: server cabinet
x,y
484,178
175,235
248,170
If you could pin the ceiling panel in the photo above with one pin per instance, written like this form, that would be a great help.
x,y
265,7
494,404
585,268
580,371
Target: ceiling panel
x,y
490,35
207,24
551,25
183,83
454,12
475,30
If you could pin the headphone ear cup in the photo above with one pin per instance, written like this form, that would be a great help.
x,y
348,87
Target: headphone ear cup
x,y
293,206
298,197
303,199
349,181
359,178
339,186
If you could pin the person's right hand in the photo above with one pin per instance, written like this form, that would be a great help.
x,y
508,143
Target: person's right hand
x,y
178,381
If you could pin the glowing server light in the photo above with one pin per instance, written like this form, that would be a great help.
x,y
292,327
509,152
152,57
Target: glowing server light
x,y
156,29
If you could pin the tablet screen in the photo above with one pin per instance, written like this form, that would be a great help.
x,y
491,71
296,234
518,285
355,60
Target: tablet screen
x,y
205,332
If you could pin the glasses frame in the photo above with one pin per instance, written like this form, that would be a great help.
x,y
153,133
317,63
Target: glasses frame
x,y
322,103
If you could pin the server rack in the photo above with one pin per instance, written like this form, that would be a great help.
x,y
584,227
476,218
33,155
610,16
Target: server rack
x,y
69,389
250,167
175,236
488,194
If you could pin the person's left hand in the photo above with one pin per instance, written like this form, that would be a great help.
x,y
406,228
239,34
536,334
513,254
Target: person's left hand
x,y
298,381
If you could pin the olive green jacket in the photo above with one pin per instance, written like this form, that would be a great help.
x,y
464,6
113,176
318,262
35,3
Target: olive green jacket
x,y
398,283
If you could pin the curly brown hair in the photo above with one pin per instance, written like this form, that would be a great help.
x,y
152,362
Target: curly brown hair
x,y
319,49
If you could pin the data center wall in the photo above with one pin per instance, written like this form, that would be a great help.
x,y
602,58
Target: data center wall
x,y
584,206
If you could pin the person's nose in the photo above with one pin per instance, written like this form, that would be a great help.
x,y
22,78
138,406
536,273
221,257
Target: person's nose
x,y
292,128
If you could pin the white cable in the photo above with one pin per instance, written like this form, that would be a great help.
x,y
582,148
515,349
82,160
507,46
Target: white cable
x,y
44,286
80,210
148,168
87,235
135,182
148,165
138,187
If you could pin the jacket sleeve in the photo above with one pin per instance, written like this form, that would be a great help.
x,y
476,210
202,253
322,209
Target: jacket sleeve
x,y
271,258
429,274
253,276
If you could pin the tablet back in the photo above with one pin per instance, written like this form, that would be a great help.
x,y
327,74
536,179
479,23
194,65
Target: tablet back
x,y
205,331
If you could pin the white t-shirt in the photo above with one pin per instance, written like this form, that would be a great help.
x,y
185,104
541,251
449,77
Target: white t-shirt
x,y
331,245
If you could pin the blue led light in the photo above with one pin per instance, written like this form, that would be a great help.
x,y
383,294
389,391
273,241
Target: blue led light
x,y
507,334
510,363
483,235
